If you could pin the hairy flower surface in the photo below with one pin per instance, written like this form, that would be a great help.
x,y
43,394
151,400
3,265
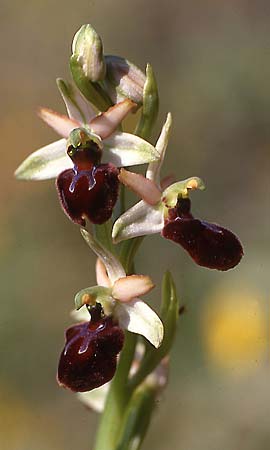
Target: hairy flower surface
x,y
168,212
85,161
88,359
90,189
208,244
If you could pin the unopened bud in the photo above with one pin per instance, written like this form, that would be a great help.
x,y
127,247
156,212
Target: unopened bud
x,y
123,80
88,49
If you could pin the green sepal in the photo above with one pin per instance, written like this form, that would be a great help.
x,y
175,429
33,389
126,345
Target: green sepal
x,y
169,316
150,105
91,91
67,92
92,295
137,418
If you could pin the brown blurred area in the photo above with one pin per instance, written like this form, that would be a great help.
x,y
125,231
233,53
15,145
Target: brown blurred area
x,y
212,62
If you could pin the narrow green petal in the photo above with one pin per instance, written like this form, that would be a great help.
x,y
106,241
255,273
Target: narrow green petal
x,y
153,171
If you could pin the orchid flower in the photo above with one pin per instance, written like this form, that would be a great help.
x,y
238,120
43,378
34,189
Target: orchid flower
x,y
167,211
85,160
118,294
89,356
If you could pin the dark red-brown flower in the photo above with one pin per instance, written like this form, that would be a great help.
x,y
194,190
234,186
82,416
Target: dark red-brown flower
x,y
90,354
209,245
92,193
90,189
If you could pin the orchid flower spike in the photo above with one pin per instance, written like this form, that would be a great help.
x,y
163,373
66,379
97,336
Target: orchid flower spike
x,y
167,211
86,159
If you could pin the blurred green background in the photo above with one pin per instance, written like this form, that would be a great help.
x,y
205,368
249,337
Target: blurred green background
x,y
212,62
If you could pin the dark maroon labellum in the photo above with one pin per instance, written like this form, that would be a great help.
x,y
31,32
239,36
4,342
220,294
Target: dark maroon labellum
x,y
90,354
90,193
210,245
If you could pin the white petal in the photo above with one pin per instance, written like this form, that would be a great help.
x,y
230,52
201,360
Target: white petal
x,y
137,317
101,274
113,266
146,189
153,171
45,163
80,315
106,123
131,286
60,123
96,398
78,107
139,220
124,149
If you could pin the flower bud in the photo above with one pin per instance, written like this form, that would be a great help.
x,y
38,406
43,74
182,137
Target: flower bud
x,y
123,80
88,49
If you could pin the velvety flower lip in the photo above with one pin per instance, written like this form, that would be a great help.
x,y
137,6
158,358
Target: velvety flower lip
x,y
167,211
90,194
88,359
209,245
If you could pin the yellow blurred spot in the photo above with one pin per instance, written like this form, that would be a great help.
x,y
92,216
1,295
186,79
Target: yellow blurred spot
x,y
235,331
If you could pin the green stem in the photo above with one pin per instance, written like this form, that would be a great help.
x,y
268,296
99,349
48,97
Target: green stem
x,y
137,418
169,316
117,398
120,390
128,252
103,234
